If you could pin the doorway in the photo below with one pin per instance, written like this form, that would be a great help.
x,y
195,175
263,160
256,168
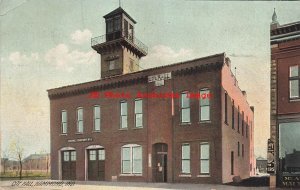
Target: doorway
x,y
96,164
160,162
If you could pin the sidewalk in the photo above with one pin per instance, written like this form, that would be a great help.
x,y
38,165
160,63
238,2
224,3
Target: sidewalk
x,y
90,185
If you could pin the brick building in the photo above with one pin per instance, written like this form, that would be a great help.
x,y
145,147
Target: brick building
x,y
149,125
284,144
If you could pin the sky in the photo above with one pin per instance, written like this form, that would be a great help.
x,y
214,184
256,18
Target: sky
x,y
45,44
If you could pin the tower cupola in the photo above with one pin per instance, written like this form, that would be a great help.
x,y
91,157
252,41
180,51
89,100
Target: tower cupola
x,y
119,48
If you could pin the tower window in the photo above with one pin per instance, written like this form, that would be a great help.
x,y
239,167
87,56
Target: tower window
x,y
112,64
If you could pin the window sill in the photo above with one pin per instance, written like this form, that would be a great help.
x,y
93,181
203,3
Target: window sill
x,y
63,134
187,123
131,175
123,129
79,133
136,128
185,175
203,175
96,131
295,100
203,122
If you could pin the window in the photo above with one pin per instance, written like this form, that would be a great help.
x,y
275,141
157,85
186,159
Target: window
x,y
247,126
97,113
225,107
204,158
73,155
110,26
238,119
185,108
232,114
138,112
243,150
232,162
101,154
117,24
289,148
185,158
112,64
294,81
204,106
92,154
123,115
131,159
243,121
238,149
66,156
80,120
64,120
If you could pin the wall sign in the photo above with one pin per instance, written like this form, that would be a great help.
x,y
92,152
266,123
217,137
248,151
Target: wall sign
x,y
80,140
160,78
271,158
291,181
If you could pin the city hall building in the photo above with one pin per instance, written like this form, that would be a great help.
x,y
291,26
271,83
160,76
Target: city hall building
x,y
284,144
185,122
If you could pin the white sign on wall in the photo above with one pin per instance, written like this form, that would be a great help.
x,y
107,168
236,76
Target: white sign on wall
x,y
159,79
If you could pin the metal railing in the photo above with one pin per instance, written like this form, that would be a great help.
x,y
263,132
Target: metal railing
x,y
118,35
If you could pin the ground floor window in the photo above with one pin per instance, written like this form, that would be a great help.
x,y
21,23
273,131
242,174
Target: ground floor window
x,y
185,158
204,158
289,147
131,159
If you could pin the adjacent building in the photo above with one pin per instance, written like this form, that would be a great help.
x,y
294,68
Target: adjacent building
x,y
284,144
185,122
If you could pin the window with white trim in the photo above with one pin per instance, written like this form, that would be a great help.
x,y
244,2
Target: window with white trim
x,y
64,122
185,158
204,158
131,159
294,82
204,105
123,116
97,116
185,108
79,120
138,113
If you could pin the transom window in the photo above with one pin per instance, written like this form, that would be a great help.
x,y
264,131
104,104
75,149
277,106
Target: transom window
x,y
294,82
185,108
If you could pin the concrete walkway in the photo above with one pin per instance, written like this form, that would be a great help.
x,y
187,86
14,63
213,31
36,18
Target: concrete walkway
x,y
84,185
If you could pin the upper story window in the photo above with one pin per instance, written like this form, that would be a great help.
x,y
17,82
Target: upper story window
x,y
247,126
185,158
294,82
185,108
238,119
131,159
204,106
243,122
64,122
97,115
113,24
232,114
79,120
138,113
111,64
123,116
238,149
225,108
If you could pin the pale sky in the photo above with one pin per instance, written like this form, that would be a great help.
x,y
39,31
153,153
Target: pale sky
x,y
46,44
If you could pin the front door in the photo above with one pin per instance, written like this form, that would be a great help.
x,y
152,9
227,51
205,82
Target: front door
x,y
96,164
68,165
160,162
